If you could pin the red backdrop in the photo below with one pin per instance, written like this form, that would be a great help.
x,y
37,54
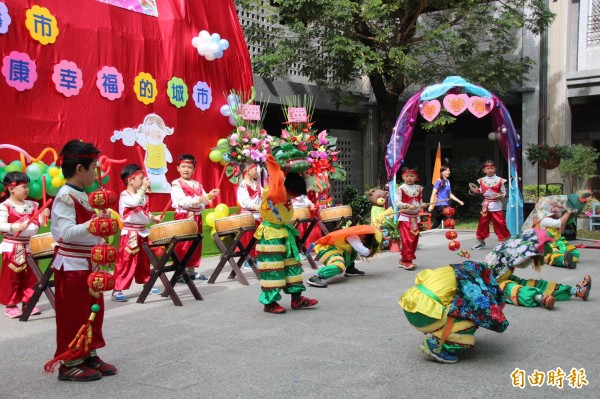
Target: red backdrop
x,y
92,35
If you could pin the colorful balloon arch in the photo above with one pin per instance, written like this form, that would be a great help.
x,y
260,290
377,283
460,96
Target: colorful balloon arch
x,y
480,103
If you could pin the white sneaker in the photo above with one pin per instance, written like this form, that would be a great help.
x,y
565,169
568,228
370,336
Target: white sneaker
x,y
479,245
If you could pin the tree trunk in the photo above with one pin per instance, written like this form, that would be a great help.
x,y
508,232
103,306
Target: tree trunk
x,y
388,112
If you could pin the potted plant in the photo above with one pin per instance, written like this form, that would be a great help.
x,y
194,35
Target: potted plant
x,y
392,233
547,157
580,167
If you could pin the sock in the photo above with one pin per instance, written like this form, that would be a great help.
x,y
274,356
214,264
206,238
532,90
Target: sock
x,y
574,290
538,298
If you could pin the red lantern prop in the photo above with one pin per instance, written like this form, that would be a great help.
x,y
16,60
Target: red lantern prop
x,y
451,234
103,199
448,211
104,254
103,227
449,223
101,281
454,245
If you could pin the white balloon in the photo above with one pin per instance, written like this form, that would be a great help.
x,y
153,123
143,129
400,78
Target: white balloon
x,y
213,47
196,41
225,110
204,35
231,121
219,54
492,136
209,56
215,37
203,49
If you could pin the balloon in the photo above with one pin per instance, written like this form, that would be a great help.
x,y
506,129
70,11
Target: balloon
x,y
56,181
204,34
53,171
14,166
34,173
218,54
105,180
223,44
222,211
91,188
231,121
222,141
196,41
233,98
223,162
210,219
209,57
203,49
215,37
225,111
51,190
215,156
213,48
41,165
35,190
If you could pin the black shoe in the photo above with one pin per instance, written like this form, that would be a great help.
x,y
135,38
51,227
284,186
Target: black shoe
x,y
568,260
316,281
353,272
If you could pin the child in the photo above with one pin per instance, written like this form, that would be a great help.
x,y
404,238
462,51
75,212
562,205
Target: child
x,y
16,279
408,200
493,190
278,257
134,208
71,216
530,293
341,248
189,200
248,196
441,196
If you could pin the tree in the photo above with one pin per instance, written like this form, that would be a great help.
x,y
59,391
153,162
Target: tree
x,y
580,167
395,43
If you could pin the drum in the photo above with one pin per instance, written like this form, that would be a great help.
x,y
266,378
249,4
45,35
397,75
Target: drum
x,y
41,245
335,213
301,213
232,224
162,233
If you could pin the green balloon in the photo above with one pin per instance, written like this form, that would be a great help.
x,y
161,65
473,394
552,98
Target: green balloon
x,y
91,188
34,172
51,190
105,180
12,168
35,190
41,165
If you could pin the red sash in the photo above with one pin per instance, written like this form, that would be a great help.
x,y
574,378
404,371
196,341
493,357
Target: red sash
x,y
17,255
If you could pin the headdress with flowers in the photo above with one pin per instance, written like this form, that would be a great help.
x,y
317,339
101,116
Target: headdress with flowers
x,y
248,142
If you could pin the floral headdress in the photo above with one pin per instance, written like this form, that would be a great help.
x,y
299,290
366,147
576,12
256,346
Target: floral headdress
x,y
248,142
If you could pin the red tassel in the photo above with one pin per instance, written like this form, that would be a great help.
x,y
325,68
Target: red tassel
x,y
79,347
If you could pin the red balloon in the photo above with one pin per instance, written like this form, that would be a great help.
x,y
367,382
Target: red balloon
x,y
449,223
454,245
448,211
451,234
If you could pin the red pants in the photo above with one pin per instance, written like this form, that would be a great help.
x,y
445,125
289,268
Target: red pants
x,y
15,287
73,309
409,241
183,248
130,266
499,223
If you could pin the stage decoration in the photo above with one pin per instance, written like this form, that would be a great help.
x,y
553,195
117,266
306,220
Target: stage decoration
x,y
109,82
248,143
177,91
67,78
4,19
150,136
457,95
430,109
146,7
210,46
19,70
145,88
202,95
41,25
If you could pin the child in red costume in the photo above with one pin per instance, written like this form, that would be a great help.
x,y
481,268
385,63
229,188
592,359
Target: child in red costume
x,y
409,201
71,216
189,200
134,208
16,279
493,190
249,194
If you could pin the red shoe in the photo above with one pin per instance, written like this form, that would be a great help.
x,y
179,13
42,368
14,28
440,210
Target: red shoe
x,y
274,308
547,301
303,302
80,373
95,363
406,265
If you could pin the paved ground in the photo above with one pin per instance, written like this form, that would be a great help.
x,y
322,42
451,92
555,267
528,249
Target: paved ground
x,y
355,344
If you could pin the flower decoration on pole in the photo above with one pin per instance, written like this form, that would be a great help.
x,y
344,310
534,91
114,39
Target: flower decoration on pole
x,y
248,142
547,157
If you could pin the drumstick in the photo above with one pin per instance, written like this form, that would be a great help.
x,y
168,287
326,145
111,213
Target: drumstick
x,y
36,214
162,215
44,198
221,178
143,165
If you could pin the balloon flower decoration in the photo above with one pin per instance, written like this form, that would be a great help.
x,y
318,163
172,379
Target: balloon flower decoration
x,y
210,46
104,256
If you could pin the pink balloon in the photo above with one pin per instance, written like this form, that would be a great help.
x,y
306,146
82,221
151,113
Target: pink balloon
x,y
18,149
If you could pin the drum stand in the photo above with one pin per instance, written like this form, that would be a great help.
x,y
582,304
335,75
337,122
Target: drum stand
x,y
159,268
301,241
236,248
337,224
43,285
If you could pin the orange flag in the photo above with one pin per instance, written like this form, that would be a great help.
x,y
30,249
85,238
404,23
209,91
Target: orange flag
x,y
437,165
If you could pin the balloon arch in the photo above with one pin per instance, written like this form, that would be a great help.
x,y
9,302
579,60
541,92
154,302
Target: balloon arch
x,y
480,103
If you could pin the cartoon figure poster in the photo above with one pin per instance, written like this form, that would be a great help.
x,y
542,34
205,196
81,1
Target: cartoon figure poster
x,y
150,136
